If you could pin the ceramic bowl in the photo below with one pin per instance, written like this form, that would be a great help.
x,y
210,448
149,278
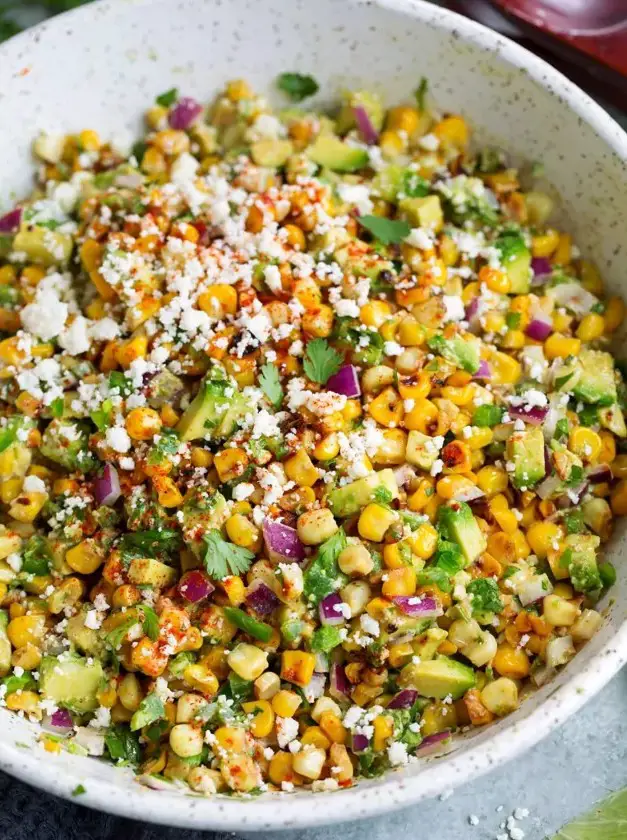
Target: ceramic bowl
x,y
102,65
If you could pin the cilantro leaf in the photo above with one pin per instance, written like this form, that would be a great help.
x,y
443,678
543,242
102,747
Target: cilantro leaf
x,y
382,496
321,360
168,98
297,86
324,639
607,821
151,541
150,622
270,384
323,575
573,520
122,745
223,558
561,429
421,93
78,790
387,231
485,595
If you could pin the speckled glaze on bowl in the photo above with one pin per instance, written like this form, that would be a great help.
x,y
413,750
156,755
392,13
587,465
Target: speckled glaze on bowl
x,y
100,66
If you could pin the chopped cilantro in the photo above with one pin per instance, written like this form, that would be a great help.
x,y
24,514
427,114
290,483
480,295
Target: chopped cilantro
x,y
297,86
167,99
421,93
323,575
573,520
321,360
487,415
325,639
561,429
382,495
485,595
512,320
150,622
223,558
270,384
78,790
122,745
385,230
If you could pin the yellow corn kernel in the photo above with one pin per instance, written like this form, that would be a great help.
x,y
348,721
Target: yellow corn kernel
x,y
219,300
592,326
230,463
614,314
410,332
285,703
495,279
392,144
505,369
420,498
243,532
24,701
492,480
511,662
400,654
297,666
300,469
27,657
563,253
618,498
450,485
423,417
230,738
399,582
387,408
351,410
424,541
26,506
8,275
128,351
202,679
375,313
585,443
234,588
545,244
374,521
143,423
452,131
521,546
383,730
328,448
393,557
333,728
26,629
263,717
499,508
608,448
201,457
363,695
559,346
402,118
249,661
437,717
318,322
85,557
415,387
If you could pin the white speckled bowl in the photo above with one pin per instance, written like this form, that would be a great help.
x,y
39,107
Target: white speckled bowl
x,y
102,65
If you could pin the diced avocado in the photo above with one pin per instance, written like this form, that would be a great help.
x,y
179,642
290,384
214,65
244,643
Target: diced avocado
x,y
421,450
580,557
347,500
215,410
526,451
147,570
394,182
439,678
332,153
456,522
164,389
597,514
85,639
426,646
43,246
271,153
462,351
67,443
516,260
423,211
369,101
71,682
202,512
361,261
596,383
403,626
612,418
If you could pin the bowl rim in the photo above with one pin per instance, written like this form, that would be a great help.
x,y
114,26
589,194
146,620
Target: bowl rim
x,y
393,790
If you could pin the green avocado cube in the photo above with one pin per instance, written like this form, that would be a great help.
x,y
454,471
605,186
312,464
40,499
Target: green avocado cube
x,y
43,246
456,522
463,351
423,211
71,681
271,153
516,260
526,451
596,383
580,558
351,498
439,678
421,450
334,154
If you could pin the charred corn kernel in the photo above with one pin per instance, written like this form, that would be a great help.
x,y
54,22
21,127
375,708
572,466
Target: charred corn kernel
x,y
318,323
477,712
545,244
26,506
607,453
394,555
143,423
363,695
26,403
400,654
399,582
26,629
201,678
300,469
85,557
327,449
387,408
383,730
27,657
201,457
614,314
295,237
355,560
10,352
309,761
415,387
585,443
511,662
285,703
423,417
281,769
230,463
333,728
297,666
591,326
452,131
374,521
542,536
375,313
219,300
262,722
492,480
559,346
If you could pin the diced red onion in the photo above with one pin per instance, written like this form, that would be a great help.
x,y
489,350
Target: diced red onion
x,y
432,742
534,415
573,296
599,474
10,222
60,721
405,699
540,327
339,686
194,586
541,266
261,598
548,466
365,126
345,382
107,487
469,494
329,610
282,542
359,742
483,371
315,687
184,113
418,607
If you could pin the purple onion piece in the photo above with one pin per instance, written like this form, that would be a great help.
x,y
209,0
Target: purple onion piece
x,y
599,474
541,265
359,743
261,598
418,607
548,466
483,371
282,542
539,328
61,719
339,686
405,699
194,586
534,416
107,487
329,611
184,113
365,126
345,382
10,222
432,742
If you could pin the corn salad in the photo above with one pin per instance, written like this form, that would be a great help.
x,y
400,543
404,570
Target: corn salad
x,y
311,441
